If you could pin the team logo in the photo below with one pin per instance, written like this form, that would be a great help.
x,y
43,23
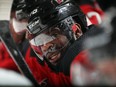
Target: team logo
x,y
59,1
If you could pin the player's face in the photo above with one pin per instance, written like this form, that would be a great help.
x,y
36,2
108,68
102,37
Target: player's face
x,y
50,44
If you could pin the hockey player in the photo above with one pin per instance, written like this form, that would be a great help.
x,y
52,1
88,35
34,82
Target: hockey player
x,y
56,38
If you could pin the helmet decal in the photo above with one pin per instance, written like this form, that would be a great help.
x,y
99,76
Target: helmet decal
x,y
59,1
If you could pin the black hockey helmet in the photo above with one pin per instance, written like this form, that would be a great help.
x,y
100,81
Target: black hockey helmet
x,y
48,14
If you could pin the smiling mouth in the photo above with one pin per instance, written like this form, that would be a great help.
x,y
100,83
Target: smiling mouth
x,y
54,58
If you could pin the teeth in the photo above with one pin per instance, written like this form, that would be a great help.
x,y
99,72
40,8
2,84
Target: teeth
x,y
53,57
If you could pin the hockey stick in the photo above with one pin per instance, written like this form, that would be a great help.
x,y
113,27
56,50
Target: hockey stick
x,y
14,52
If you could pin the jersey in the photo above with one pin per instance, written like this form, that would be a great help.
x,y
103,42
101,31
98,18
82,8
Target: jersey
x,y
44,74
5,59
78,74
93,12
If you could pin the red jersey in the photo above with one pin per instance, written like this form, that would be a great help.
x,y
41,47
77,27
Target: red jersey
x,y
5,60
93,13
44,75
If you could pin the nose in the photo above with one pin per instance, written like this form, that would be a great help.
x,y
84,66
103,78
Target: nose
x,y
46,47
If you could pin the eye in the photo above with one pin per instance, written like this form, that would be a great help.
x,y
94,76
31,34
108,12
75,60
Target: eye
x,y
55,34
